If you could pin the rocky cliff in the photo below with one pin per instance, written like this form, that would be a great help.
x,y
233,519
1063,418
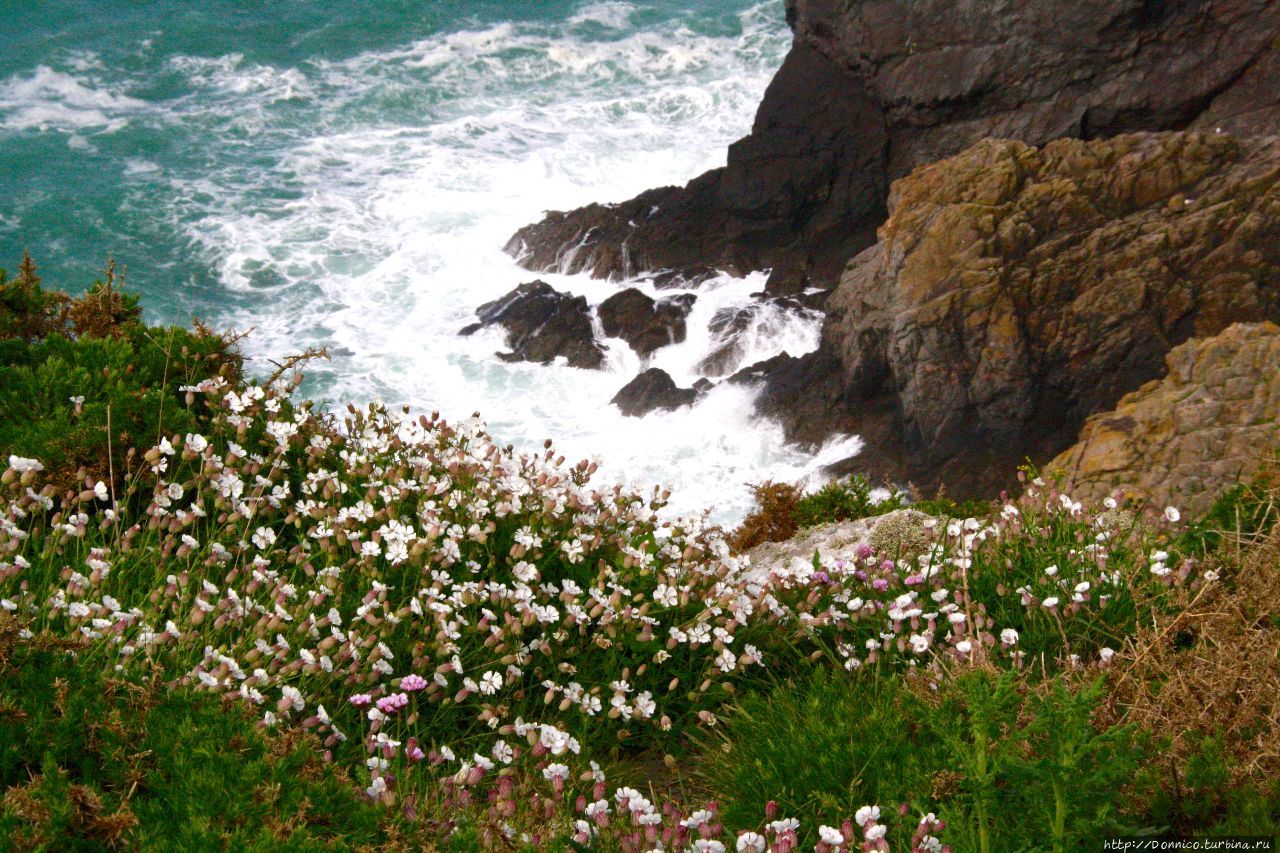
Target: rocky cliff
x,y
875,88
1017,290
1181,439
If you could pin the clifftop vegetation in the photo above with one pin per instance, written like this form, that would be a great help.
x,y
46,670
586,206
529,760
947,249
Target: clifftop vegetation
x,y
409,635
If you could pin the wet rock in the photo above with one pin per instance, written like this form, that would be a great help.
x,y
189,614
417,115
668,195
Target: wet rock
x,y
651,390
646,324
872,90
542,324
1184,439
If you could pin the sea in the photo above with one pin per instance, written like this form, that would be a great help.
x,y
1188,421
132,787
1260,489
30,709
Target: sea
x,y
345,174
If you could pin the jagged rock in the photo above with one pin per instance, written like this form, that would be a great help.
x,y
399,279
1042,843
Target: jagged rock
x,y
1017,290
1185,438
543,324
874,89
644,323
650,390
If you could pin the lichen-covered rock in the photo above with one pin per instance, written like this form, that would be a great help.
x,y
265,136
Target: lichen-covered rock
x,y
543,324
1183,439
876,88
900,534
1018,290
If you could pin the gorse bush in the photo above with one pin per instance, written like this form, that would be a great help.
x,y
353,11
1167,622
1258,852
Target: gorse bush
x,y
83,381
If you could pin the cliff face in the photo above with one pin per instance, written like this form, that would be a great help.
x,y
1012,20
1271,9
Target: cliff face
x,y
1018,290
873,89
1181,439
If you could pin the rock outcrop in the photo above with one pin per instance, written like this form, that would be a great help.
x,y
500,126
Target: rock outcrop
x,y
874,89
543,324
653,389
1183,439
1018,290
644,323
900,534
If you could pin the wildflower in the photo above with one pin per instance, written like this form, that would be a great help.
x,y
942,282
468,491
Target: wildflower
x,y
866,814
830,835
1210,576
264,538
196,442
964,647
100,491
751,842
919,644
490,683
1050,602
413,682
1009,637
1172,515
875,833
360,700
22,465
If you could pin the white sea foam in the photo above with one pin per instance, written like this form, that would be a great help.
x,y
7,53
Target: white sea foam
x,y
362,204
49,99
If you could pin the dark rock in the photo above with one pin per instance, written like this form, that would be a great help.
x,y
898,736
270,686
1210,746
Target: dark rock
x,y
542,324
643,323
652,389
703,385
1017,291
874,89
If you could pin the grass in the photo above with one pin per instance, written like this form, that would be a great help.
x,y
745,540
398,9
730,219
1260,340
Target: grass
x,y
271,628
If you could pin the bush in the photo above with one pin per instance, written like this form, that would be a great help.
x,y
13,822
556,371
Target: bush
x,y
91,761
69,369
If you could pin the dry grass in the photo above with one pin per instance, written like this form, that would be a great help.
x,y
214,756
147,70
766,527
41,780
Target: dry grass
x,y
1213,669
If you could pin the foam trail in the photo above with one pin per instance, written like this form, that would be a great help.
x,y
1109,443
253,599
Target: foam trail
x,y
361,202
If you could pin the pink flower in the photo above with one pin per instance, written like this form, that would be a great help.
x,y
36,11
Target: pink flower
x,y
360,700
413,682
394,702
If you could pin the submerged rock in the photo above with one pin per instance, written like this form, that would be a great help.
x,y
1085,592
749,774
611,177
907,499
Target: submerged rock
x,y
543,324
1185,438
652,390
644,323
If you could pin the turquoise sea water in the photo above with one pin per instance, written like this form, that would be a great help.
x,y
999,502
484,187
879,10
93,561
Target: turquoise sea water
x,y
345,173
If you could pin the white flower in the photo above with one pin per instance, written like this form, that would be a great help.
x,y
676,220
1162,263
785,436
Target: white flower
x,y
831,835
1106,654
875,833
1172,515
964,647
919,644
1051,571
100,491
866,814
1210,576
1009,637
1109,503
22,465
264,538
196,442
751,842
490,683
1050,602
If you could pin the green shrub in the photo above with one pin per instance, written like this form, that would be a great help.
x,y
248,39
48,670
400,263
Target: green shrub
x,y
88,761
69,369
821,749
